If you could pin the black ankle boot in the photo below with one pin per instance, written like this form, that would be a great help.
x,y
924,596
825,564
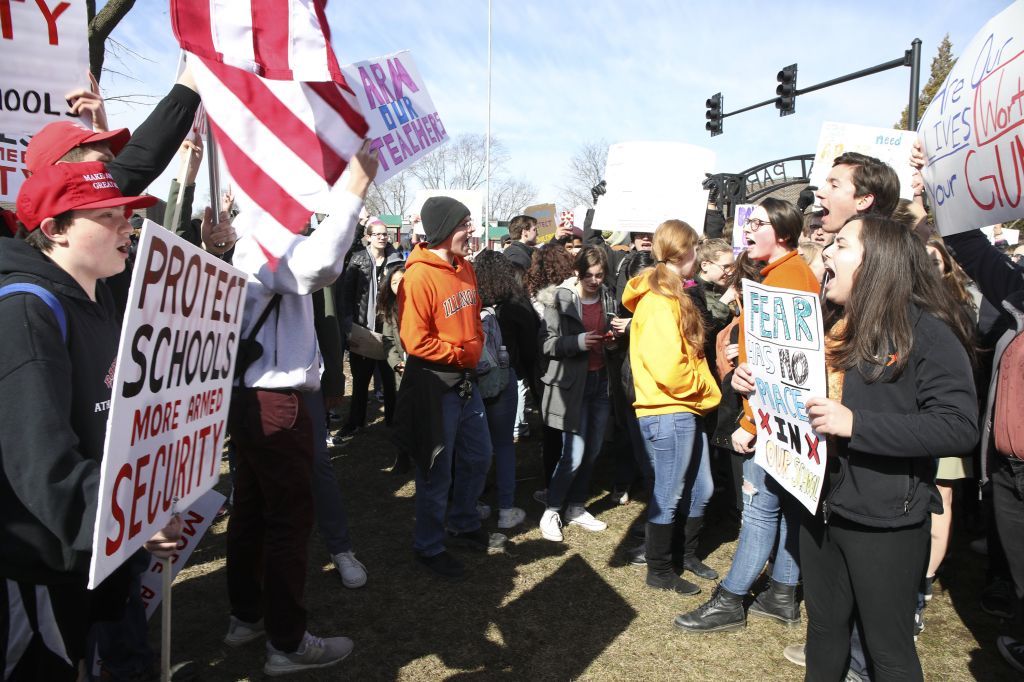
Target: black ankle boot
x,y
637,556
690,561
724,611
778,601
660,574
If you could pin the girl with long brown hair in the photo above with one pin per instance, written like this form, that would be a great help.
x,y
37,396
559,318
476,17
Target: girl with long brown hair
x,y
901,394
674,390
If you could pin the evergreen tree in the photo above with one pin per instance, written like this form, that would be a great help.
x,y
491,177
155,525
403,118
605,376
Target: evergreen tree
x,y
942,64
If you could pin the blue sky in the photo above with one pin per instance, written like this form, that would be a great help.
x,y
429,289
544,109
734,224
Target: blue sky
x,y
568,72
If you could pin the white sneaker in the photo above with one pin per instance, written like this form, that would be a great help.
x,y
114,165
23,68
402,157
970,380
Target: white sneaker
x,y
577,515
484,510
240,632
313,652
351,569
511,517
551,525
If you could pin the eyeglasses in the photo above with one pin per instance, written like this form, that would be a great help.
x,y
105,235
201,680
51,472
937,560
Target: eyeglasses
x,y
754,224
725,268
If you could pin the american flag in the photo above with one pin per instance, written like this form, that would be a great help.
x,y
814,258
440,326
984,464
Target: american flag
x,y
285,120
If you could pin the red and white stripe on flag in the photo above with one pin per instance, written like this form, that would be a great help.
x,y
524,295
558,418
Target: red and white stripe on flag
x,y
284,118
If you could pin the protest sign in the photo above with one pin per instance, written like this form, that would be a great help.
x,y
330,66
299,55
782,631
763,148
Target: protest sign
x,y
972,133
740,216
545,217
786,351
404,123
171,392
885,144
195,522
651,182
472,198
45,53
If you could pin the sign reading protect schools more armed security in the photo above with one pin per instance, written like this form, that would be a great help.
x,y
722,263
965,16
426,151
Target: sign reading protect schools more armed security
x,y
171,389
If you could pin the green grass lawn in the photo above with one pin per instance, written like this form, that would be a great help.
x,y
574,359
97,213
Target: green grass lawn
x,y
540,611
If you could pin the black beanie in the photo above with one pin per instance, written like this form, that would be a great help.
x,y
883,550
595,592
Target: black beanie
x,y
440,216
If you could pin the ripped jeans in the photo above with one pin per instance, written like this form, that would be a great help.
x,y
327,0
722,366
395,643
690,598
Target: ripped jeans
x,y
767,510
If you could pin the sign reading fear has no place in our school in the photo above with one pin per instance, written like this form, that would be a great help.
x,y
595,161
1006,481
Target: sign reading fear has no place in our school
x,y
171,390
404,123
972,133
786,353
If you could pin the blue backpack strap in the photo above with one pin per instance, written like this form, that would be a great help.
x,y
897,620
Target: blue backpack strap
x,y
48,298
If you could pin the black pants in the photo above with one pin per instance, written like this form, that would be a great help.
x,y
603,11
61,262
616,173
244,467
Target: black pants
x,y
1008,504
362,371
847,566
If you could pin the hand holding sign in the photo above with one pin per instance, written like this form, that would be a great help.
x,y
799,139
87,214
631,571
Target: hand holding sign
x,y
829,417
163,544
742,441
743,378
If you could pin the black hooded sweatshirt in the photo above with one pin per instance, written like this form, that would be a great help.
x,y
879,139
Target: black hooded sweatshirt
x,y
56,399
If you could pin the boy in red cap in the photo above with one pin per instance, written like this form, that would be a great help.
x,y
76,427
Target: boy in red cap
x,y
60,329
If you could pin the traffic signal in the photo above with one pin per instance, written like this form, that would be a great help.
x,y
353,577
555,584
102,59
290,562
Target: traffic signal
x,y
714,114
786,102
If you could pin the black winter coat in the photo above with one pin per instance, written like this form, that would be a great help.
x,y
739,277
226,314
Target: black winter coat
x,y
884,474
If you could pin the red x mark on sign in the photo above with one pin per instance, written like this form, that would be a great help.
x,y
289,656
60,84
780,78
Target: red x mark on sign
x,y
764,421
812,448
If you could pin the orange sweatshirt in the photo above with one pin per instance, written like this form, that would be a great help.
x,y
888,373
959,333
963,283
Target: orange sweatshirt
x,y
788,272
439,310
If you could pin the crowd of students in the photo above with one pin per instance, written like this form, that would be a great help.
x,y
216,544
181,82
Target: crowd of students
x,y
638,354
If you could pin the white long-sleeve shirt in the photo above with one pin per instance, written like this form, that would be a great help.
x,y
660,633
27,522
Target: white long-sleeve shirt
x,y
291,357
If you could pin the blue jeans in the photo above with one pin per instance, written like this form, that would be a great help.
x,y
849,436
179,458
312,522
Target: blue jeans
x,y
501,415
465,433
522,425
570,483
678,452
767,510
328,505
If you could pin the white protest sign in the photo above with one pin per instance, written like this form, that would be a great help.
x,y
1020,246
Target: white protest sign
x,y
885,144
404,123
740,215
651,182
472,198
45,53
786,351
171,392
195,522
972,132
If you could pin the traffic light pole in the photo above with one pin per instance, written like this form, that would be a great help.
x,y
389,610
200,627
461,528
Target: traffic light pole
x,y
911,58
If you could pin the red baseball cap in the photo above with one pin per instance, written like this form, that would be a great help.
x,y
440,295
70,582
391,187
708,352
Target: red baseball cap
x,y
57,139
52,190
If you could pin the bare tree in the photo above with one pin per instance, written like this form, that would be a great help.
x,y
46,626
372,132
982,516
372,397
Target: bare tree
x,y
509,196
100,26
392,197
461,163
586,169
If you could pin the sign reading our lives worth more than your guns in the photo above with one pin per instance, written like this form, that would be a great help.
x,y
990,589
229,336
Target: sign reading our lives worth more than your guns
x,y
786,352
972,133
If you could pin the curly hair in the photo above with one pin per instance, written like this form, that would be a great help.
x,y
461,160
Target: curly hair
x,y
496,278
550,265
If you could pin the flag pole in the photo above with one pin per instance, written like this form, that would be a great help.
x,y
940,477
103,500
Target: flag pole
x,y
487,204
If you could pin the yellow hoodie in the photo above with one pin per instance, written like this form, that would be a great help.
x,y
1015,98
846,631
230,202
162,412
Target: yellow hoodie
x,y
667,374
